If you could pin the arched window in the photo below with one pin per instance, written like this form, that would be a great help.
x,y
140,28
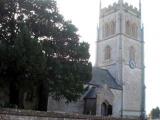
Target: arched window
x,y
104,29
112,27
134,30
109,28
107,52
132,53
128,31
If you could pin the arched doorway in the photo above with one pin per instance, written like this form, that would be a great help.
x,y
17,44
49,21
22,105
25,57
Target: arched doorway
x,y
106,109
109,109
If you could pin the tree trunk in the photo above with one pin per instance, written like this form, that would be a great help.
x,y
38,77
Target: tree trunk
x,y
21,99
13,94
43,92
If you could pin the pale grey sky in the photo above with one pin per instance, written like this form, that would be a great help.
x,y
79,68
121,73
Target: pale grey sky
x,y
84,14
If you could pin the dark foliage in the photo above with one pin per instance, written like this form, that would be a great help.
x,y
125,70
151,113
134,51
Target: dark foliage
x,y
40,50
155,113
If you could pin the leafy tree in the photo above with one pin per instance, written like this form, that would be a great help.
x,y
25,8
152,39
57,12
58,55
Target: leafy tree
x,y
22,66
155,113
40,48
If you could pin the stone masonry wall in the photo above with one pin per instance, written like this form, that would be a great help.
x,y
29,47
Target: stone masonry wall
x,y
15,114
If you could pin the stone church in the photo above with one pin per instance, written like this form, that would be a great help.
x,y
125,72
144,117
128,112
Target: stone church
x,y
117,85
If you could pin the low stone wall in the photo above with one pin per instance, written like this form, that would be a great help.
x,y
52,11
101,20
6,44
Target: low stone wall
x,y
15,114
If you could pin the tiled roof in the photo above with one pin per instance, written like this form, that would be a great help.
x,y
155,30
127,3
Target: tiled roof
x,y
91,93
103,76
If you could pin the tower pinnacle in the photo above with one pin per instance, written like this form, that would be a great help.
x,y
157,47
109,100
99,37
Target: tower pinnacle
x,y
100,5
140,5
121,3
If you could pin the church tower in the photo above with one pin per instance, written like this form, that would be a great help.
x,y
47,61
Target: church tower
x,y
120,50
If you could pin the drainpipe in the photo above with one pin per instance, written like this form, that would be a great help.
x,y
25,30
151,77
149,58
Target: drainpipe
x,y
120,54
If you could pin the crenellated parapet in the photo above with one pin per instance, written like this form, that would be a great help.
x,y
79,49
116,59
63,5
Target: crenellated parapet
x,y
109,9
131,8
117,6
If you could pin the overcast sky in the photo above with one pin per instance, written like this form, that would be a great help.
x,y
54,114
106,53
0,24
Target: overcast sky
x,y
84,14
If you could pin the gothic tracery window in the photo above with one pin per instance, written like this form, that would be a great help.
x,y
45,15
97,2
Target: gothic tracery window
x,y
109,28
107,52
112,24
132,53
131,29
134,30
128,27
106,29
